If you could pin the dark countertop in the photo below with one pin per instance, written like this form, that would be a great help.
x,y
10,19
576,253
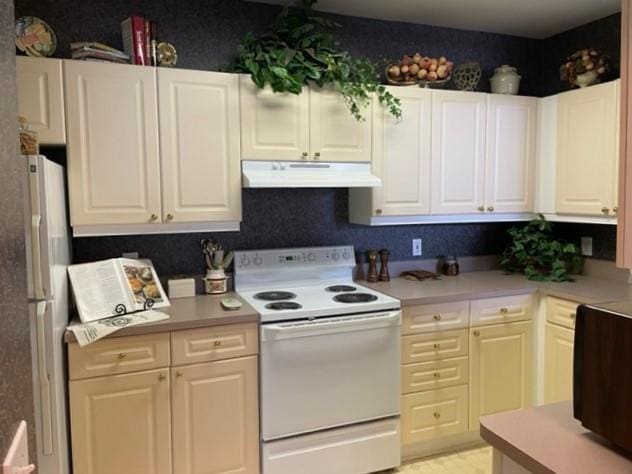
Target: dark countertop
x,y
488,284
547,439
190,313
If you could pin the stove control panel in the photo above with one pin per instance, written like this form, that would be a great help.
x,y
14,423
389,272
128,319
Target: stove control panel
x,y
295,258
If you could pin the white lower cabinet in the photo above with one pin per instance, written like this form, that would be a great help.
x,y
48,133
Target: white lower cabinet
x,y
558,366
501,369
215,417
183,419
122,423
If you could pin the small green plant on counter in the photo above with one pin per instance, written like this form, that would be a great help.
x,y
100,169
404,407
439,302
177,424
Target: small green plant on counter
x,y
534,252
299,49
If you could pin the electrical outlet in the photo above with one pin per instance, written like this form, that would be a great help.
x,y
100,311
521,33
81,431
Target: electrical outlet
x,y
130,255
587,245
416,247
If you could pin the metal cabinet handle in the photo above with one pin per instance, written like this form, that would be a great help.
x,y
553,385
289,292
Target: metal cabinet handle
x,y
153,217
573,315
615,209
437,346
481,208
504,310
317,155
605,210
476,332
304,155
161,377
169,217
179,373
378,212
122,355
437,317
436,375
217,343
437,415
490,208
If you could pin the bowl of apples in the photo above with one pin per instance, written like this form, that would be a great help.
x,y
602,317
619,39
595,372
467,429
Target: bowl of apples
x,y
418,69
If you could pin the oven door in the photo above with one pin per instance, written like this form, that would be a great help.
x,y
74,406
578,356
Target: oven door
x,y
329,372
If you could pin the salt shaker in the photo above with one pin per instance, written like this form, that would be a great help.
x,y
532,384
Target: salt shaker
x,y
384,275
372,273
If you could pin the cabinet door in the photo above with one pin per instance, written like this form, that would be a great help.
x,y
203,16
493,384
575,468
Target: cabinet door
x,y
199,146
216,417
587,150
458,152
335,134
510,161
113,162
501,369
41,97
401,154
121,424
273,126
558,364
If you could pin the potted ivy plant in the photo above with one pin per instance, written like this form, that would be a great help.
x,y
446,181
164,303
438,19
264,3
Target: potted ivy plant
x,y
536,253
298,50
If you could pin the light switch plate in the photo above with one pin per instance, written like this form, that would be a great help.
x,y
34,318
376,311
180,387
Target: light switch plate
x,y
587,246
417,248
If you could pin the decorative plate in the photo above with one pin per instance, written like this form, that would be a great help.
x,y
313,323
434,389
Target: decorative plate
x,y
34,36
167,54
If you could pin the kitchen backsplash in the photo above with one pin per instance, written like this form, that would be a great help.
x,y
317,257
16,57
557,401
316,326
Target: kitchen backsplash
x,y
206,34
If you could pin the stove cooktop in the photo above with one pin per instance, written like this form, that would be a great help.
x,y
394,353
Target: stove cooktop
x,y
316,300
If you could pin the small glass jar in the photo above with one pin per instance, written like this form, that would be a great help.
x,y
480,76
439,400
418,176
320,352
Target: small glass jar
x,y
451,266
28,138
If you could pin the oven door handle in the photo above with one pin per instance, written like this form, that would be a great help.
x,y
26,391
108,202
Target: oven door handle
x,y
327,325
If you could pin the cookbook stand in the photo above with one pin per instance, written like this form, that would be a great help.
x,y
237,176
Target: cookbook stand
x,y
120,309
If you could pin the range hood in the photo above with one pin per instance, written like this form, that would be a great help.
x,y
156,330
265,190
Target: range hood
x,y
290,174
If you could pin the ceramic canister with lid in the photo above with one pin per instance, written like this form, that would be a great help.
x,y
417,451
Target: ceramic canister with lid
x,y
505,80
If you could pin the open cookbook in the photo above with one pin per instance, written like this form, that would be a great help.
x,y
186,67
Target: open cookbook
x,y
115,286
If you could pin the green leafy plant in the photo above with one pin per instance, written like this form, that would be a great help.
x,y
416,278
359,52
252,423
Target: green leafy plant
x,y
534,252
299,49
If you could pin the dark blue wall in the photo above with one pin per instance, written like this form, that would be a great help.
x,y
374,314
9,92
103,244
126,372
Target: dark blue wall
x,y
207,33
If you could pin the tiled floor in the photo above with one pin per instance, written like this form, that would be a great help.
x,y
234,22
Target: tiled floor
x,y
473,461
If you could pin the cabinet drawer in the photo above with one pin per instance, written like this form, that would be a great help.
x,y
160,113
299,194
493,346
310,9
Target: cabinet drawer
x,y
434,346
118,355
214,343
506,309
435,317
434,375
430,415
562,312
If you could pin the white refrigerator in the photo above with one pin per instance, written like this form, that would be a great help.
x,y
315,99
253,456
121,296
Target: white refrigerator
x,y
48,255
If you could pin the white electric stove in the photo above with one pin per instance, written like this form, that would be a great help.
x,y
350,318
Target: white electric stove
x,y
329,362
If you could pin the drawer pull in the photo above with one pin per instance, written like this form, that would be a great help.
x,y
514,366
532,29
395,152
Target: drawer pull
x,y
217,343
573,315
504,310
436,375
437,317
179,373
122,355
437,415
437,346
161,377
476,332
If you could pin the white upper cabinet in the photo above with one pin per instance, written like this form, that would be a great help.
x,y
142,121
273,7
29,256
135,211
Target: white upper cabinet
x,y
335,134
587,149
458,152
113,162
401,155
41,97
199,117
509,168
273,126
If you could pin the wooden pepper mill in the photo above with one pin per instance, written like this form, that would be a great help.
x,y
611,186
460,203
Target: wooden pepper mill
x,y
384,275
371,276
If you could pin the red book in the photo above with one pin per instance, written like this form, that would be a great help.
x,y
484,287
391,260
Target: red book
x,y
133,31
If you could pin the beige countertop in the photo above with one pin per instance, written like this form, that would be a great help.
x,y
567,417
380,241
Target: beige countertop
x,y
190,313
487,284
548,439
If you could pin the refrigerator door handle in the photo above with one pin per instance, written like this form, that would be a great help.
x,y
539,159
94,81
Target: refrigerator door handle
x,y
36,221
44,380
